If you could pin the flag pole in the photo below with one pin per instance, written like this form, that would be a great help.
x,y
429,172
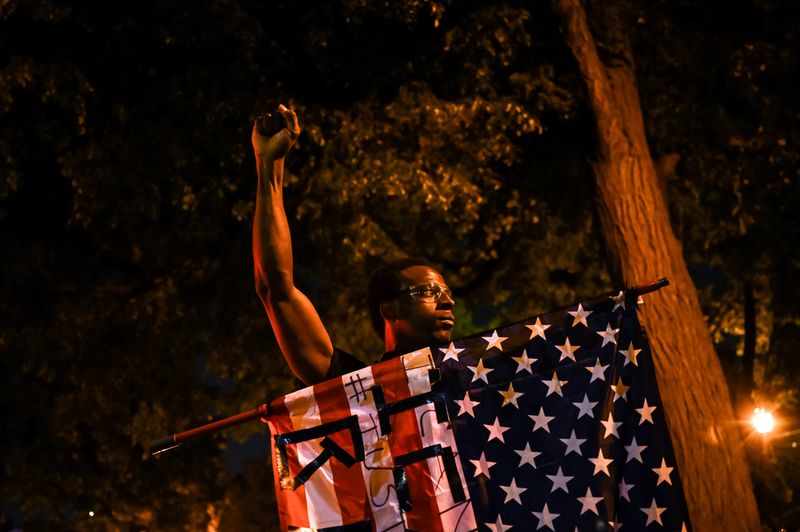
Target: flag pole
x,y
649,287
633,293
175,440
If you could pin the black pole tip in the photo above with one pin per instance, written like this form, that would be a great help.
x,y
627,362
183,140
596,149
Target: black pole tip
x,y
164,444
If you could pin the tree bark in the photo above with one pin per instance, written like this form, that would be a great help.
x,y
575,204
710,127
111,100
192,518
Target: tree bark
x,y
642,247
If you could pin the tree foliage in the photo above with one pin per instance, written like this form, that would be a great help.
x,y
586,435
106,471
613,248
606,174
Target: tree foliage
x,y
126,188
729,119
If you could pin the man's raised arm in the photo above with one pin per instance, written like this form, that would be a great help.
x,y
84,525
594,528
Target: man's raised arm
x,y
301,335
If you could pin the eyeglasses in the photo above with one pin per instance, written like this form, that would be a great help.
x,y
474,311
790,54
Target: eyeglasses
x,y
427,291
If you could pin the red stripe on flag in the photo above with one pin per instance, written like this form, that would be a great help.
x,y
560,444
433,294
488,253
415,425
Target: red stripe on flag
x,y
334,406
291,503
405,438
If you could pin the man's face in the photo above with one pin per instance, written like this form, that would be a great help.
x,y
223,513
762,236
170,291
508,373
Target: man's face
x,y
423,320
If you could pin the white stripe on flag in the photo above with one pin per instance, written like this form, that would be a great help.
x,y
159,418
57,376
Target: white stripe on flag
x,y
378,462
323,506
455,516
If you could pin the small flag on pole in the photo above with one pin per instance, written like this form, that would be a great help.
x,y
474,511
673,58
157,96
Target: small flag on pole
x,y
552,423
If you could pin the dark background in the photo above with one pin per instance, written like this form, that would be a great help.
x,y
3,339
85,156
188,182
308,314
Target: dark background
x,y
457,131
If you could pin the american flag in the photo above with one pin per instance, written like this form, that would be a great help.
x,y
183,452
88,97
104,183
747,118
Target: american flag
x,y
551,423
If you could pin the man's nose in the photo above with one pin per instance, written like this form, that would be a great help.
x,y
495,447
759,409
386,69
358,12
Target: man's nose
x,y
446,300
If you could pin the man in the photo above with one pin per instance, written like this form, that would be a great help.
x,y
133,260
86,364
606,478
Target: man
x,y
410,304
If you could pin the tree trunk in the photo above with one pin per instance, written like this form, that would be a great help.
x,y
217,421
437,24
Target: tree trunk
x,y
641,248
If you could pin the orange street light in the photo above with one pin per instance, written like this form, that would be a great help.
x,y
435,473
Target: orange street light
x,y
763,421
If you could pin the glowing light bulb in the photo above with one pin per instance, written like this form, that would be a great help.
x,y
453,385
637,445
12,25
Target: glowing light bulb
x,y
91,513
763,421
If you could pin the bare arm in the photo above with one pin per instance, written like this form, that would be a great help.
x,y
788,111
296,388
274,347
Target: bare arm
x,y
301,335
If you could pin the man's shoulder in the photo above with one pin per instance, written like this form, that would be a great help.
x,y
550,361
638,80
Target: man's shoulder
x,y
342,363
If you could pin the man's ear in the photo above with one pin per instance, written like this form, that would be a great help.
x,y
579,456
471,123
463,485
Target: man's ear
x,y
389,310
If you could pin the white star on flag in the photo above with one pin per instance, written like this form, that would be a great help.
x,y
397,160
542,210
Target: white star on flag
x,y
619,301
630,355
554,385
597,371
498,526
496,430
580,315
559,481
495,341
601,463
513,492
654,513
663,473
545,518
646,412
573,444
585,407
482,466
611,426
540,420
467,405
609,335
589,502
524,363
510,396
620,389
479,372
634,451
451,352
538,329
624,488
527,456
567,350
